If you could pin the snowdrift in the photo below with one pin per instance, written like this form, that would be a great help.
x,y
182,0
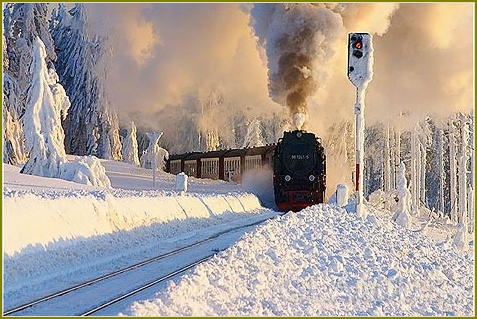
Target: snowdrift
x,y
324,261
32,219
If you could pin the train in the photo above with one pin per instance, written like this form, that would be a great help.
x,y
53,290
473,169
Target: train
x,y
297,160
299,171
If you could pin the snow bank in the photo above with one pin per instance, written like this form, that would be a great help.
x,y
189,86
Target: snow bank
x,y
324,261
32,219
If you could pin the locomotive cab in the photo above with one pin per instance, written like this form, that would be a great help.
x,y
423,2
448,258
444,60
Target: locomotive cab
x,y
299,171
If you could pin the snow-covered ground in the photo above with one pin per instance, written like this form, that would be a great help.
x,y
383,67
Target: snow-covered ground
x,y
324,260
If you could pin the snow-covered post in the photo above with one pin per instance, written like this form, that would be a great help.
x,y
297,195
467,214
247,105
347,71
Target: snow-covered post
x,y
153,139
360,73
181,182
341,195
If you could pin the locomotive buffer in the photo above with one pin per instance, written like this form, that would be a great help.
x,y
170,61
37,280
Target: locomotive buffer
x,y
360,73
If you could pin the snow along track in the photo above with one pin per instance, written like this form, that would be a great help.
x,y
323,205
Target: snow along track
x,y
116,286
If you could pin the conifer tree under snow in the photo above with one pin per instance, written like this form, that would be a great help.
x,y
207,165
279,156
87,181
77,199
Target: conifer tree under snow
x,y
46,104
91,127
22,23
13,141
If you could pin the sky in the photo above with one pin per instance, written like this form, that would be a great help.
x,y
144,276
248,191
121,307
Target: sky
x,y
167,54
325,260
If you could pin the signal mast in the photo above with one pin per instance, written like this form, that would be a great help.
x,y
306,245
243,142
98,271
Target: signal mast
x,y
360,73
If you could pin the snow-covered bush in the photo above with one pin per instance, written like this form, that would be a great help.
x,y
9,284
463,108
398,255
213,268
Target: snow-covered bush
x,y
384,200
459,240
86,170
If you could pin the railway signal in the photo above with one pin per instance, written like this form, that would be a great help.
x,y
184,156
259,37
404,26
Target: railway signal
x,y
360,73
360,58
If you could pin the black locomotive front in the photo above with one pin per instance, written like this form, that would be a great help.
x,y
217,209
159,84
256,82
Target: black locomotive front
x,y
299,171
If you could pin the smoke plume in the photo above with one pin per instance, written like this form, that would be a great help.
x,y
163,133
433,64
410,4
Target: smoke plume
x,y
305,45
300,41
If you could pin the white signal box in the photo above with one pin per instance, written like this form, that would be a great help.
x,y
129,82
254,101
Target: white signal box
x,y
360,58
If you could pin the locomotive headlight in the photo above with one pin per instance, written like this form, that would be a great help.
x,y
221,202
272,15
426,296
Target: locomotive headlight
x,y
287,178
298,134
311,178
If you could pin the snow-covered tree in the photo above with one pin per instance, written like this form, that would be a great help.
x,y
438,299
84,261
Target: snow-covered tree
x,y
47,103
162,155
254,134
463,172
13,140
441,168
208,121
387,162
91,127
274,125
373,159
453,170
339,146
130,147
401,216
22,22
415,160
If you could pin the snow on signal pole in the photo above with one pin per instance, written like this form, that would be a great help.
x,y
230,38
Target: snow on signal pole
x,y
360,73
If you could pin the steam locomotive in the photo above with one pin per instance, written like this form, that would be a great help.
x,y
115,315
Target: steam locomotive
x,y
299,171
298,162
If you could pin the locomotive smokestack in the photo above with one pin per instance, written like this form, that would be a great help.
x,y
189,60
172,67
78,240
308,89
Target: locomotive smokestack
x,y
299,119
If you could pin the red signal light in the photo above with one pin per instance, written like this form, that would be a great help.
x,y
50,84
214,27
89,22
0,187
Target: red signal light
x,y
358,45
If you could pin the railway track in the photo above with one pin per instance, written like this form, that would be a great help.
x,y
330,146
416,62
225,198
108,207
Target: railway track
x,y
119,285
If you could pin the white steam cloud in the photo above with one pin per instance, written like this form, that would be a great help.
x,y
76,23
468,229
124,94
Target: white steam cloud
x,y
169,56
166,53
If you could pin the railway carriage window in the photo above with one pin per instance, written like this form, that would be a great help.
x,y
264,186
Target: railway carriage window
x,y
252,162
175,167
